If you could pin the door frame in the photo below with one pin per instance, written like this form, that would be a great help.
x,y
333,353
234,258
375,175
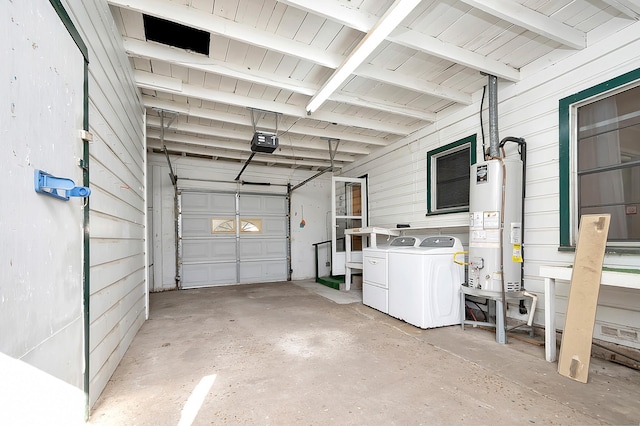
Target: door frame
x,y
84,163
338,258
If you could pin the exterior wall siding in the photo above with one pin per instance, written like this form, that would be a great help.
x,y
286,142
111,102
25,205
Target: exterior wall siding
x,y
527,109
117,179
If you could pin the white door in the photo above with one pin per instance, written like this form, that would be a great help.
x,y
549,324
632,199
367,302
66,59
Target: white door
x,y
348,210
232,238
41,313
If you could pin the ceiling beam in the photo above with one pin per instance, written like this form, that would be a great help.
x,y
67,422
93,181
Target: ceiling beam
x,y
412,39
344,137
368,102
398,79
245,137
217,154
195,18
631,8
356,19
174,141
174,56
338,12
532,20
152,81
245,120
396,13
362,21
432,46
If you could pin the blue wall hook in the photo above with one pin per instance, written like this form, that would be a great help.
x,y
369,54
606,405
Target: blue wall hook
x,y
50,185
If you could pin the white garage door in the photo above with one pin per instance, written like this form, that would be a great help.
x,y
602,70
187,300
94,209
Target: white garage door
x,y
231,238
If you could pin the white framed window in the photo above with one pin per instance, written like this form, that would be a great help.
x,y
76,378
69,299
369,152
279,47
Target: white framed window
x,y
448,176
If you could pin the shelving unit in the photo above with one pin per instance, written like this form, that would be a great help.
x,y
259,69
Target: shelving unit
x,y
371,234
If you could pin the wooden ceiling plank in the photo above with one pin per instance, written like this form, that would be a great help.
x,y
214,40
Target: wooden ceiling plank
x,y
310,26
245,146
327,132
196,19
408,82
245,120
188,109
290,23
225,8
204,5
346,153
217,154
247,13
237,52
631,8
338,12
453,53
184,143
367,102
142,64
194,61
533,21
151,81
396,13
132,23
199,62
218,47
412,39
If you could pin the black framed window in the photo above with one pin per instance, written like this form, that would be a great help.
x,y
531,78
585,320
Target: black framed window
x,y
448,176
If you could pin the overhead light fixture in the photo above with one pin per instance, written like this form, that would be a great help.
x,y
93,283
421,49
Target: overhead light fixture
x,y
389,21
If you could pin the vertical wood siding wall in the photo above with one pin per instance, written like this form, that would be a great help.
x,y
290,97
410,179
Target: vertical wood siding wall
x,y
528,109
117,174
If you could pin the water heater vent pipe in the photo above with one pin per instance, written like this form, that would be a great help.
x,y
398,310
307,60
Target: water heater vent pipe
x,y
494,139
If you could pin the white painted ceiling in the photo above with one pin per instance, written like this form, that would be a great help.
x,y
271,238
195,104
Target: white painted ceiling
x,y
274,56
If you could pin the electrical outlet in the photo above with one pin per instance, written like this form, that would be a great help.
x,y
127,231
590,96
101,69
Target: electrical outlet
x,y
327,264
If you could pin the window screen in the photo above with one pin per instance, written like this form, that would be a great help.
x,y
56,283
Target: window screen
x,y
448,176
452,179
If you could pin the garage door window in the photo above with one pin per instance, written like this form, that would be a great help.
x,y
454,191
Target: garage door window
x,y
251,226
448,176
223,226
602,160
228,226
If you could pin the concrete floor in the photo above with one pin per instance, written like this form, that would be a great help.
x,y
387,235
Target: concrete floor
x,y
285,353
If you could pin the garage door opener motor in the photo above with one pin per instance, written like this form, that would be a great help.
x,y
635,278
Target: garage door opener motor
x,y
262,141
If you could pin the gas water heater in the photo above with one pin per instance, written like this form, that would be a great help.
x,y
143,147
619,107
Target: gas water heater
x,y
495,225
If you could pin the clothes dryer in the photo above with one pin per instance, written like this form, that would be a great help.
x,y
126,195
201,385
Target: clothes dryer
x,y
424,283
375,277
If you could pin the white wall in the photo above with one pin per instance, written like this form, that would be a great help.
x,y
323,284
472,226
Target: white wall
x,y
311,202
41,315
117,175
313,198
528,109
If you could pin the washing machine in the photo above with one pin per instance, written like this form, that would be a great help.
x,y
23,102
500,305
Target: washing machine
x,y
375,276
424,282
